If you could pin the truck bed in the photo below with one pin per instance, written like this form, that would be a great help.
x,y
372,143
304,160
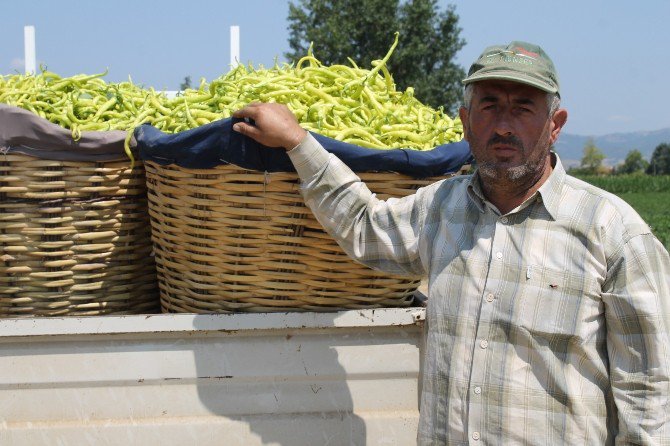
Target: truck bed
x,y
341,378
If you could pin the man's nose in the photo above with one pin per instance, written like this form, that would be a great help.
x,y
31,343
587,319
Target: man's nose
x,y
503,123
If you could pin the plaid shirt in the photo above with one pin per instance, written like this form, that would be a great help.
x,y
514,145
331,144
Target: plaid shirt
x,y
548,325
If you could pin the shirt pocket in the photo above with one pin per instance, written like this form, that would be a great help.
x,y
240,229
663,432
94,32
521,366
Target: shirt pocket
x,y
555,306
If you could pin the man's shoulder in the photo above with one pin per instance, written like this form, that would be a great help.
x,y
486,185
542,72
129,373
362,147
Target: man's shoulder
x,y
455,184
604,206
576,187
447,189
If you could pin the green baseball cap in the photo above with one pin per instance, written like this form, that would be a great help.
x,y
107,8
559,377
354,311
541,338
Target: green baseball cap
x,y
519,62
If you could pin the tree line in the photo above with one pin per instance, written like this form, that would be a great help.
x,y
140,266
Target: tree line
x,y
635,163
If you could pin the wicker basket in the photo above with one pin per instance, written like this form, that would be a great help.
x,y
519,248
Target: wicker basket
x,y
228,239
74,238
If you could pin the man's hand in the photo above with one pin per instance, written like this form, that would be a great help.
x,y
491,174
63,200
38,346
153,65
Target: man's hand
x,y
275,125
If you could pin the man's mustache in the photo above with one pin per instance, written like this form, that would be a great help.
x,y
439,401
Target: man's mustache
x,y
510,140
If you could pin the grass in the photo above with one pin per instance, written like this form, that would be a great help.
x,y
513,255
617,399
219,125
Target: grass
x,y
619,184
654,208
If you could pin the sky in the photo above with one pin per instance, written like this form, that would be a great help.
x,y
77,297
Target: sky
x,y
612,55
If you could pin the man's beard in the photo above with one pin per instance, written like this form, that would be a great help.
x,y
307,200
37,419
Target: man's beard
x,y
500,170
513,174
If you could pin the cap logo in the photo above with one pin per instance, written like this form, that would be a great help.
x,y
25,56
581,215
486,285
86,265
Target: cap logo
x,y
510,57
525,52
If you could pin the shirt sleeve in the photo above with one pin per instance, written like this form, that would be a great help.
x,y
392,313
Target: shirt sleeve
x,y
636,296
383,235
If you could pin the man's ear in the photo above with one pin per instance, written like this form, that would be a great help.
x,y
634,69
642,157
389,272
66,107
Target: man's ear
x,y
557,122
463,114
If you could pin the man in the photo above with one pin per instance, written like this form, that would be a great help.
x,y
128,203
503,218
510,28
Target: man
x,y
548,309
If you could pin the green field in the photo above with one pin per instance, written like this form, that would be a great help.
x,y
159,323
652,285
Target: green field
x,y
654,207
649,196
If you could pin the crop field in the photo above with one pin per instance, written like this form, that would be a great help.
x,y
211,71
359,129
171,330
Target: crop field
x,y
649,195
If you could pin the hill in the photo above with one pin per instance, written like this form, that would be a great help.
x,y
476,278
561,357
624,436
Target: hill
x,y
615,145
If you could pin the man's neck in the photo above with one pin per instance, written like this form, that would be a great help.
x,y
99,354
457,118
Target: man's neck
x,y
506,195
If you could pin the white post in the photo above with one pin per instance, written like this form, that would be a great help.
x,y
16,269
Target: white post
x,y
234,46
29,49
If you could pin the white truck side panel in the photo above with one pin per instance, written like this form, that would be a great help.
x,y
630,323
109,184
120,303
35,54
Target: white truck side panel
x,y
345,378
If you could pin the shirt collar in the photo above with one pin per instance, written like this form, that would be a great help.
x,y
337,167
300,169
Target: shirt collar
x,y
475,192
550,191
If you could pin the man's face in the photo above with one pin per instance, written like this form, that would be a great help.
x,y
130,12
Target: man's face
x,y
510,131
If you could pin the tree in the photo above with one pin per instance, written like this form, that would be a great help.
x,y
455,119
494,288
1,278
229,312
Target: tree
x,y
634,163
363,30
592,161
660,160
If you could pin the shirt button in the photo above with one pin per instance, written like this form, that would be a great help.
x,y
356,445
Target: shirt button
x,y
475,436
489,297
504,220
499,255
484,343
478,390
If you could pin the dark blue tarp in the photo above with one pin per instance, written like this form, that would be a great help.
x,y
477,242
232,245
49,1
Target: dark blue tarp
x,y
216,143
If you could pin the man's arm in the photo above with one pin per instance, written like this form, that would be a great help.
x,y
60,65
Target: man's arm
x,y
637,302
381,234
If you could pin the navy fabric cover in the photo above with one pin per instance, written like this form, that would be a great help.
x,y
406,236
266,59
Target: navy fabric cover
x,y
216,143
